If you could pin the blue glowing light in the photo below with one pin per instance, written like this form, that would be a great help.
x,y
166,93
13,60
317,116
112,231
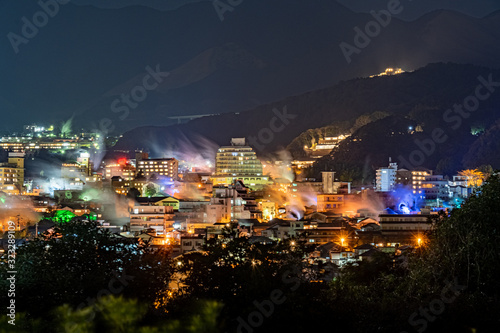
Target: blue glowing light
x,y
403,208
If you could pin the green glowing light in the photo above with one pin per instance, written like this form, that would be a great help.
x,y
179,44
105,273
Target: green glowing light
x,y
63,216
91,216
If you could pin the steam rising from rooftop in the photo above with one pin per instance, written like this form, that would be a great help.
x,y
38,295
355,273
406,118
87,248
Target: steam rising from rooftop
x,y
13,208
279,167
193,152
66,126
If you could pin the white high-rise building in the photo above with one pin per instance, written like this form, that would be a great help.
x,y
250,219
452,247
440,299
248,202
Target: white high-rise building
x,y
386,178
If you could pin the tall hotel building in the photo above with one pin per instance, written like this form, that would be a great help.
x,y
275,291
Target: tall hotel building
x,y
386,178
167,167
12,174
238,162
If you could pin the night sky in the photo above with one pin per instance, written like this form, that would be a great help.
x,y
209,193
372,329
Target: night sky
x,y
82,56
416,8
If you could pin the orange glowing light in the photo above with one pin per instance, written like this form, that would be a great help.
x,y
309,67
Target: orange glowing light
x,y
122,161
475,178
420,239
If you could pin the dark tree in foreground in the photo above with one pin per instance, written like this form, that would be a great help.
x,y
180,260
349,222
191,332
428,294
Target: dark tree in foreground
x,y
466,244
78,263
456,273
240,274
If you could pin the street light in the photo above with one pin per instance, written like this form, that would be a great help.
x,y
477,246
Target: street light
x,y
342,241
85,199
